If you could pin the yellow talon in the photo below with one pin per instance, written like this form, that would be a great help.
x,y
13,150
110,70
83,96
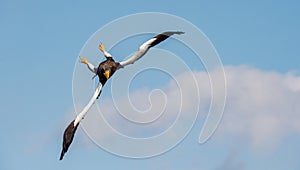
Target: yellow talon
x,y
101,47
83,60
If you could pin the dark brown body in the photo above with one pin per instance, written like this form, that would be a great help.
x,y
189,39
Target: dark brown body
x,y
108,65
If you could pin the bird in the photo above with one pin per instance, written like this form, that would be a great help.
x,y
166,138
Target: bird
x,y
104,71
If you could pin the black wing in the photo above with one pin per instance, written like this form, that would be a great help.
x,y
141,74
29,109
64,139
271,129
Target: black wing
x,y
68,138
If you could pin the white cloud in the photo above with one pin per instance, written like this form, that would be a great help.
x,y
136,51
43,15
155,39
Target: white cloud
x,y
261,106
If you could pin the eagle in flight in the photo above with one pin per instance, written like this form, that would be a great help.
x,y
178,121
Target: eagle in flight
x,y
104,71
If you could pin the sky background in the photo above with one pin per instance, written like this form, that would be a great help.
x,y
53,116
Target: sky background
x,y
258,43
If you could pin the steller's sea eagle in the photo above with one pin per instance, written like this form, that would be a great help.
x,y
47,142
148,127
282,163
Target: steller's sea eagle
x,y
104,71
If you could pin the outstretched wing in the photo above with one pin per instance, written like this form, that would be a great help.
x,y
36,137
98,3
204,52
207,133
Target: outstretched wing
x,y
81,115
71,129
146,46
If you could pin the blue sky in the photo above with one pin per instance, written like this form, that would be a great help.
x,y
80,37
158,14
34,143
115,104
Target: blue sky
x,y
257,42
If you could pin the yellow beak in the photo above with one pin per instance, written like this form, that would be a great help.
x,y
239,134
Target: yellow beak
x,y
106,74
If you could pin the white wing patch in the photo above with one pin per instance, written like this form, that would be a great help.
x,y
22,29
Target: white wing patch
x,y
81,115
137,55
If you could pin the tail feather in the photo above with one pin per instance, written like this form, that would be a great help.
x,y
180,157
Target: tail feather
x,y
68,138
